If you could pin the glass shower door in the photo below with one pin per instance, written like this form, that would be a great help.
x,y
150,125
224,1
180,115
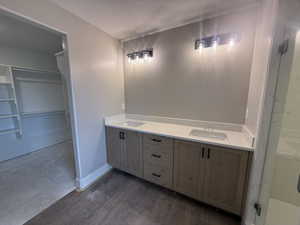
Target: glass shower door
x,y
281,184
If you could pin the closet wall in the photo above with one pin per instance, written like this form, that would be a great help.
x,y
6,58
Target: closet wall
x,y
41,101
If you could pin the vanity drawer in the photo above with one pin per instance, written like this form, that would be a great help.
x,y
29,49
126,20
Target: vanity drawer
x,y
158,174
157,156
163,143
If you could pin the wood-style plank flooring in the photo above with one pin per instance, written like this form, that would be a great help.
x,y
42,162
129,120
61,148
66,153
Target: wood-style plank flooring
x,y
121,199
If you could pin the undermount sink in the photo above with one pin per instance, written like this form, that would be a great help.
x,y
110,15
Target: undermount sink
x,y
208,134
132,123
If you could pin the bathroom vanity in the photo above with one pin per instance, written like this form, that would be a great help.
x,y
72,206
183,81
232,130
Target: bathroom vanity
x,y
207,169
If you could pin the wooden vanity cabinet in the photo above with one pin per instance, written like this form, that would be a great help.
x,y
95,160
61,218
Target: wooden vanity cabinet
x,y
114,147
210,174
124,150
158,153
188,168
225,178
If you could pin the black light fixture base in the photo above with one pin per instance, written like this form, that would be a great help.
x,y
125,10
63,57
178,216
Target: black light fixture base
x,y
220,39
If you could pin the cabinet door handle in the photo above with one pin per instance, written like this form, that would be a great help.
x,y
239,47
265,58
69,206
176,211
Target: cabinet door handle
x,y
298,184
122,135
156,175
155,140
208,153
203,151
156,156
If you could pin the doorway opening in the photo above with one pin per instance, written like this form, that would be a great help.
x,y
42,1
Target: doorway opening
x,y
37,160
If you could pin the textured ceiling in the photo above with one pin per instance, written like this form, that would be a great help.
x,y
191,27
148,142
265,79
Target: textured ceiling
x,y
19,34
125,19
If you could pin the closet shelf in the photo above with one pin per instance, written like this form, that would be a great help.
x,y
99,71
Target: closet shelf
x,y
33,70
8,116
7,99
5,83
32,114
9,131
39,80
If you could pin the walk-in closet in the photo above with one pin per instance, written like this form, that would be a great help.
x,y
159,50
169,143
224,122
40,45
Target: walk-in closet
x,y
36,148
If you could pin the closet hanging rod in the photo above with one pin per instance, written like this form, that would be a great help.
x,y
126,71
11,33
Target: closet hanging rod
x,y
9,131
15,68
7,99
39,80
59,53
42,114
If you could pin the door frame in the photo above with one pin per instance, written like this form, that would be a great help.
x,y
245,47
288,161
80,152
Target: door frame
x,y
265,110
70,86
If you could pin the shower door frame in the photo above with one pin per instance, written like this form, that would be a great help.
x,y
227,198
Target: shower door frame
x,y
281,64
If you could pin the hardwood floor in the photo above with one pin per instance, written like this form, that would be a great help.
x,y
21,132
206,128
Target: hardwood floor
x,y
121,199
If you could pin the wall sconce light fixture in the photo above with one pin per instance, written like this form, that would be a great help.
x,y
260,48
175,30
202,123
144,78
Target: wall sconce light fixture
x,y
144,54
214,41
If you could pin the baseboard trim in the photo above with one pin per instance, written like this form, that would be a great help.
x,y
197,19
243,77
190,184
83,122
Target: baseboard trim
x,y
83,183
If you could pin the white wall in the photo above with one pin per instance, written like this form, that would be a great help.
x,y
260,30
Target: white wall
x,y
259,72
96,78
183,83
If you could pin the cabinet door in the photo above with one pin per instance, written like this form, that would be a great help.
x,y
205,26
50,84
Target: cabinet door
x,y
114,147
188,168
132,154
225,178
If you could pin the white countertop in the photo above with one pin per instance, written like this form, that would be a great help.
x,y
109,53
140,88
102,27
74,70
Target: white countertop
x,y
235,139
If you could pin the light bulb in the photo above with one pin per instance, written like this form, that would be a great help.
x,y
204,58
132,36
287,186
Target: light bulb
x,y
215,44
232,42
146,56
201,46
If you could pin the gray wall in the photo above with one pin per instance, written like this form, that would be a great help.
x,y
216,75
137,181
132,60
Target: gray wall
x,y
96,78
39,131
180,82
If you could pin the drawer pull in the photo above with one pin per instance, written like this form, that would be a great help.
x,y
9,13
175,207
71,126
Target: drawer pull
x,y
156,140
156,156
156,175
122,135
